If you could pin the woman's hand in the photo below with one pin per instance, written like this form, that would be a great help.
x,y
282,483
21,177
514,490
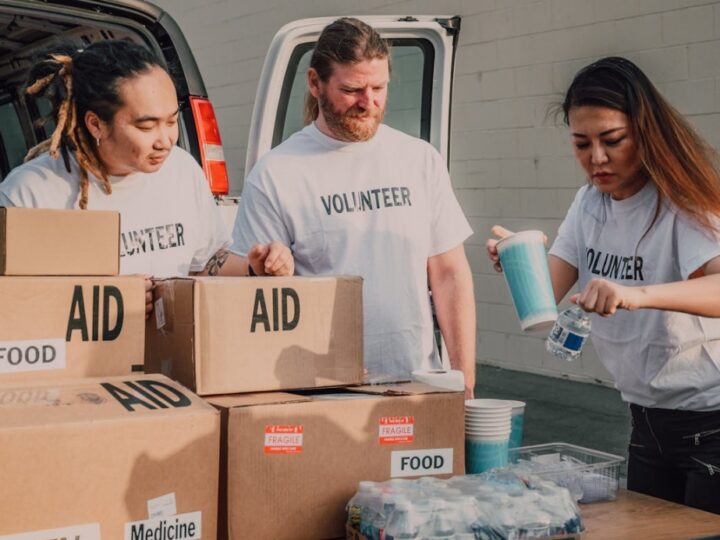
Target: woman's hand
x,y
273,259
606,297
491,245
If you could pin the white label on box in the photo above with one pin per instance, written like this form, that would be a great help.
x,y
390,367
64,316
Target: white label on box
x,y
180,527
32,355
421,462
159,313
546,458
90,531
163,506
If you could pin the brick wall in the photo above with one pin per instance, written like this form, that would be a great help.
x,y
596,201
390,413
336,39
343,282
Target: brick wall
x,y
511,162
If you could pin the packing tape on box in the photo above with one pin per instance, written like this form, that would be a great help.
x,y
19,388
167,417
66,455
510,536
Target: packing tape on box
x,y
443,378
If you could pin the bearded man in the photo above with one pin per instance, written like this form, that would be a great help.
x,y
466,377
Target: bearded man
x,y
351,195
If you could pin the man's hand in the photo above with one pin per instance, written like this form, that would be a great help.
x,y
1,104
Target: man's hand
x,y
273,259
148,296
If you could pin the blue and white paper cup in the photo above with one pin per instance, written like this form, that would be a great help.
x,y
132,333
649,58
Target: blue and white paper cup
x,y
524,263
487,434
517,419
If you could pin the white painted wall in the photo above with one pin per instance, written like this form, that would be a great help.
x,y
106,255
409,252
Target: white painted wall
x,y
510,163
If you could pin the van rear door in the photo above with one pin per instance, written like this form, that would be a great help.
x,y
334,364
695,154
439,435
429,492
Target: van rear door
x,y
422,49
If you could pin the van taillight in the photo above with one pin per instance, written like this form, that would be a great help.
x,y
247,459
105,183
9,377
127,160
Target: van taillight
x,y
211,150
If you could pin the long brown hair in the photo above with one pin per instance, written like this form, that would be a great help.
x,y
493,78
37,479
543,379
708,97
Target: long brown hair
x,y
344,41
75,82
680,163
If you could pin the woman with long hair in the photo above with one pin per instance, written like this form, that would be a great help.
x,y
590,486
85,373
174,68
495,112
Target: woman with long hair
x,y
115,111
643,242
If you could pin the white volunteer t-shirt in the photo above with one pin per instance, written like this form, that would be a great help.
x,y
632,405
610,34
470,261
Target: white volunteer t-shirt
x,y
377,209
169,222
658,358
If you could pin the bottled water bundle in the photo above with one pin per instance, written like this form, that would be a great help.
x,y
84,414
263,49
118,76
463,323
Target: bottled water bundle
x,y
496,505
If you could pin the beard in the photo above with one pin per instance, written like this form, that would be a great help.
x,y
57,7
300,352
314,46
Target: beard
x,y
351,125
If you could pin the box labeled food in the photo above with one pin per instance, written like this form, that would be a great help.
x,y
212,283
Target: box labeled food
x,y
291,461
226,335
70,327
130,458
41,242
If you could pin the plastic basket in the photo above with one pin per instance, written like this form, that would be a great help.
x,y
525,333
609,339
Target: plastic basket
x,y
592,477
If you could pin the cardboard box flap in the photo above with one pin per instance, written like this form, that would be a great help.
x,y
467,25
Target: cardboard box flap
x,y
400,389
170,294
96,399
250,400
220,280
170,330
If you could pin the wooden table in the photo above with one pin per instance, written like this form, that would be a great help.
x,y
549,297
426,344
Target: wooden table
x,y
635,516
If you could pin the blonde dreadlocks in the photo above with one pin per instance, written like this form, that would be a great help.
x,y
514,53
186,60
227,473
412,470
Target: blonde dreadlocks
x,y
67,130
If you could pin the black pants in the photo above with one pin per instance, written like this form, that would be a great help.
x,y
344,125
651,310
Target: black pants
x,y
675,455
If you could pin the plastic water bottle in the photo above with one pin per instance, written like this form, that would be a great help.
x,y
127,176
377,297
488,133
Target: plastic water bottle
x,y
442,522
388,502
360,500
402,523
569,333
467,511
369,512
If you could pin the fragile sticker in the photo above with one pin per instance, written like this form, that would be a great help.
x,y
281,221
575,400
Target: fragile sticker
x,y
88,531
32,355
283,439
180,527
396,429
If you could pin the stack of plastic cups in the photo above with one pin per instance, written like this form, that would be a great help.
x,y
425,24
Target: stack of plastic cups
x,y
487,434
516,423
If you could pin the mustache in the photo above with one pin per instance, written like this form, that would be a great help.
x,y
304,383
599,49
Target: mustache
x,y
356,112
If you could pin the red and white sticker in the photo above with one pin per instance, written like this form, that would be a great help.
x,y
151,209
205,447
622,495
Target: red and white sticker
x,y
283,439
396,429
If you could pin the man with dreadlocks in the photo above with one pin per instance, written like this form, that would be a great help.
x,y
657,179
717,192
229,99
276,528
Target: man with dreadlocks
x,y
115,110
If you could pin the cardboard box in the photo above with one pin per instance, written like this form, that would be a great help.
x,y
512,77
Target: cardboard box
x,y
227,335
70,327
35,242
291,462
118,458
